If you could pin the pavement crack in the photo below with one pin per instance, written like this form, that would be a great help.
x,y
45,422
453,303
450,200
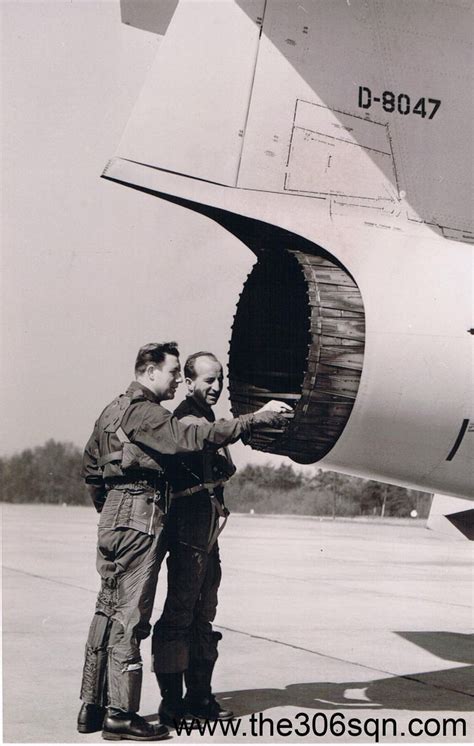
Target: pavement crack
x,y
50,580
407,677
353,589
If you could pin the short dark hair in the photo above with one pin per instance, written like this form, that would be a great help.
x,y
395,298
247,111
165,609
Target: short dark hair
x,y
190,364
154,353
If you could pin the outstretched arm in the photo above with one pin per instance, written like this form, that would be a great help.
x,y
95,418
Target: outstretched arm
x,y
164,433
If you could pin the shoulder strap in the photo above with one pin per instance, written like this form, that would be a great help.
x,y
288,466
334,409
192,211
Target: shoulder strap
x,y
113,415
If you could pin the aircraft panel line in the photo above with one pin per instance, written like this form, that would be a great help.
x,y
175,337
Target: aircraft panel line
x,y
340,139
249,104
458,440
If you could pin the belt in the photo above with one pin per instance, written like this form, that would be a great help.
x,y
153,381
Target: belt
x,y
219,510
209,486
123,483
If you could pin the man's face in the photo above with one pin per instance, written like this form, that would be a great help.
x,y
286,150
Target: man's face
x,y
164,379
206,387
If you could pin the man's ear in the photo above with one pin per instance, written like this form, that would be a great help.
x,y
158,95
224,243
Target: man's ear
x,y
189,384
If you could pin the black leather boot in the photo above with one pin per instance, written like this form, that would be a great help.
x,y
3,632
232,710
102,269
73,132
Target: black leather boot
x,y
199,702
90,718
171,709
206,708
128,726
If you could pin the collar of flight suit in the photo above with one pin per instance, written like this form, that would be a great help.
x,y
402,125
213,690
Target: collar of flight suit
x,y
192,406
136,391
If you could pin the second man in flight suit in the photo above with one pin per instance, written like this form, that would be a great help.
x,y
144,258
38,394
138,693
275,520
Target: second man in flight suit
x,y
184,643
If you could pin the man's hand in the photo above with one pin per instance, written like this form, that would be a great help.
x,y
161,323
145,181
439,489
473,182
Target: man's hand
x,y
275,406
274,414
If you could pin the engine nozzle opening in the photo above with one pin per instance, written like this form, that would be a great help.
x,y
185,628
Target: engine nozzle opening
x,y
298,336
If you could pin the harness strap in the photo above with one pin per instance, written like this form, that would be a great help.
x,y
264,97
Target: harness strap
x,y
209,486
115,426
122,435
114,456
216,528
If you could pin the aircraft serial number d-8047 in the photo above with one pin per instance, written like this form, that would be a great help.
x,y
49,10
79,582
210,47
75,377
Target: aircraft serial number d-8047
x,y
401,103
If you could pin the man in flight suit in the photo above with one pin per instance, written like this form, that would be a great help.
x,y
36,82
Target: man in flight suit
x,y
184,642
124,467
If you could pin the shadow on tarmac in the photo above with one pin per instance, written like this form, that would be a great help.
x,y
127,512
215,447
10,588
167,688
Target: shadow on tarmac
x,y
445,690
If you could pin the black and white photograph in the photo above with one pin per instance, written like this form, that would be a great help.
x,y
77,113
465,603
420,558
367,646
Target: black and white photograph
x,y
237,467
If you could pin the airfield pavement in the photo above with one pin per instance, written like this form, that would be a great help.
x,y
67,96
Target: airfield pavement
x,y
333,619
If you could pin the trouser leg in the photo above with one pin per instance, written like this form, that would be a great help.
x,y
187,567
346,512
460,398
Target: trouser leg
x,y
204,640
171,688
171,707
136,588
94,676
200,701
128,562
172,633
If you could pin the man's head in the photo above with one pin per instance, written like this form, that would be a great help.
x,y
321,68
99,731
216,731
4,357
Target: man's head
x,y
203,376
157,368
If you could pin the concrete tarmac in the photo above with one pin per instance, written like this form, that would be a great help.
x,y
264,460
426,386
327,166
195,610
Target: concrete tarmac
x,y
330,628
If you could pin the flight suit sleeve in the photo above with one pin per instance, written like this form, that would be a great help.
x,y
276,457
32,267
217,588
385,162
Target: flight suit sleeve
x,y
222,464
163,432
92,472
191,419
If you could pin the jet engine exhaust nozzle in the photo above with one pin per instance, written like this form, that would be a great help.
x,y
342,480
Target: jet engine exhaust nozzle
x,y
298,335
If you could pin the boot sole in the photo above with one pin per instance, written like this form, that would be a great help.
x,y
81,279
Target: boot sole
x,y
85,729
125,737
202,719
190,723
172,723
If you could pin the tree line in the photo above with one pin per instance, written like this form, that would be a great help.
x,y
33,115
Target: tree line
x,y
52,474
266,489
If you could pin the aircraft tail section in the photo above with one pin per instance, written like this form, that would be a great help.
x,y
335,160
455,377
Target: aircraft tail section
x,y
453,516
332,141
365,104
191,115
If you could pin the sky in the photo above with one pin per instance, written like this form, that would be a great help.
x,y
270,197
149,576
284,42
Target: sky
x,y
92,270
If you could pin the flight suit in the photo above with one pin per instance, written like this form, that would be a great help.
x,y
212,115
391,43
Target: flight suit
x,y
124,465
183,638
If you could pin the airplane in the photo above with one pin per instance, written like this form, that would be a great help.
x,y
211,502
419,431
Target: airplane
x,y
334,138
